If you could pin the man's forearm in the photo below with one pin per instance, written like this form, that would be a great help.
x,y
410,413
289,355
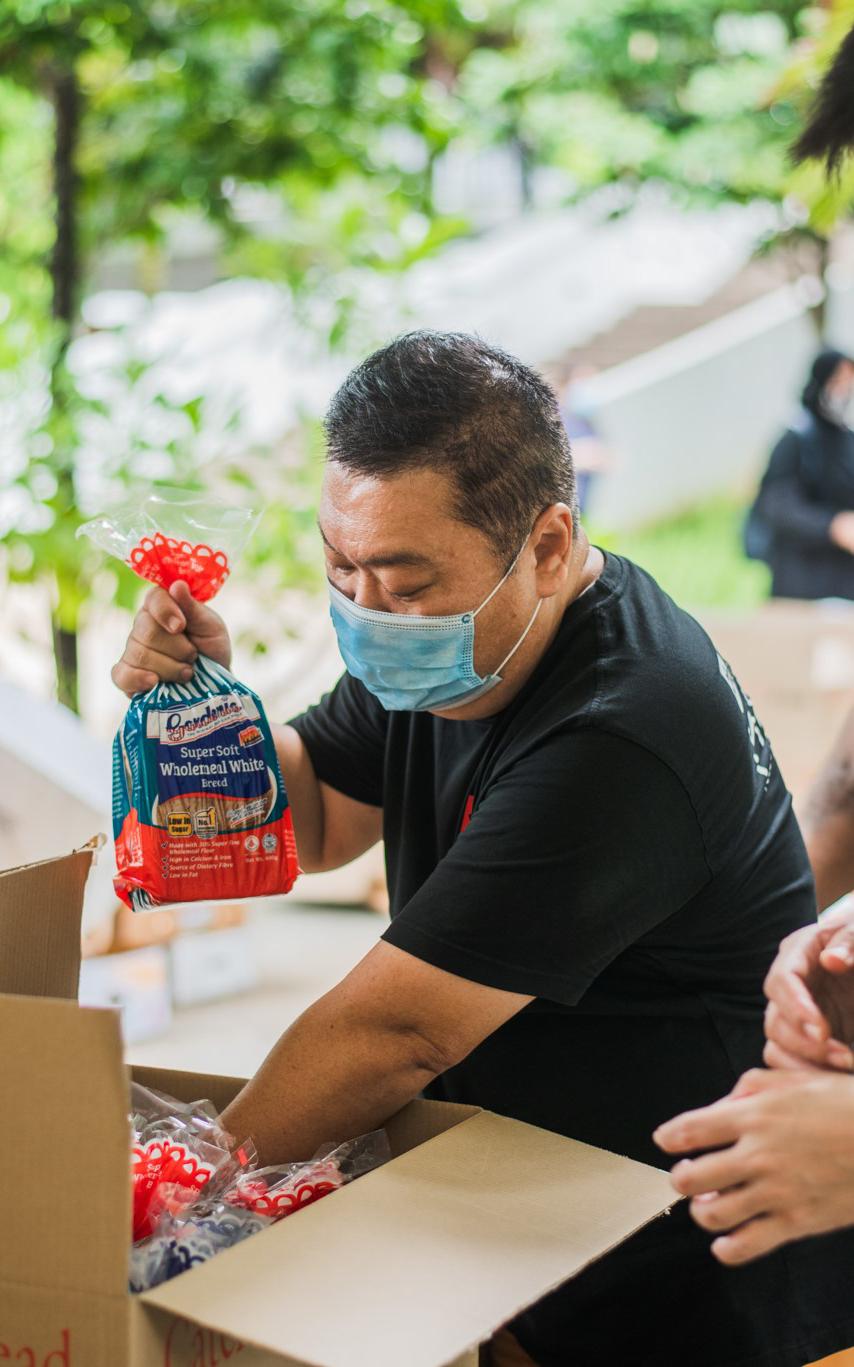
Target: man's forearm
x,y
333,1075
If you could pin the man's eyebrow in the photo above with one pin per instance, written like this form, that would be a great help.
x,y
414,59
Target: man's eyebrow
x,y
388,561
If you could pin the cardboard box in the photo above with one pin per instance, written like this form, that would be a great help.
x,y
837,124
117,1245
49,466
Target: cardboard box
x,y
475,1217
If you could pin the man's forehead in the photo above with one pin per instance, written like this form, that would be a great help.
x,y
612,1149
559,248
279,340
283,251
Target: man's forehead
x,y
384,559
404,520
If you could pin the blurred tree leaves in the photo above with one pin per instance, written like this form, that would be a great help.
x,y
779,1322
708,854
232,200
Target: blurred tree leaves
x,y
150,108
305,132
634,90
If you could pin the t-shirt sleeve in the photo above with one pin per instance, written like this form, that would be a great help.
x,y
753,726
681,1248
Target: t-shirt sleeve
x,y
574,853
345,735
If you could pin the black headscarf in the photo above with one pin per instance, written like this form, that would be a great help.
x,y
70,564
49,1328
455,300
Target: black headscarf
x,y
823,367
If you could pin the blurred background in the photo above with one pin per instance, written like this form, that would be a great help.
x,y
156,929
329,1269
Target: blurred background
x,y
210,209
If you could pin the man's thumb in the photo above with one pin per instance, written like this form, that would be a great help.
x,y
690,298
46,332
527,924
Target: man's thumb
x,y
186,602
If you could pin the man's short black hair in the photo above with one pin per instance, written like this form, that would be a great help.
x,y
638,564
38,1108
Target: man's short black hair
x,y
829,132
446,401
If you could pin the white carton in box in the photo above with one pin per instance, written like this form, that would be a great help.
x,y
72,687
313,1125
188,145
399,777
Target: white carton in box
x,y
136,983
475,1217
210,964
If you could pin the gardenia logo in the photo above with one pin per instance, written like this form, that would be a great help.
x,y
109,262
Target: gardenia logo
x,y
189,723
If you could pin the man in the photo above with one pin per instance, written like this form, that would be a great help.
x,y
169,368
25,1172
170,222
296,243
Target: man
x,y
591,854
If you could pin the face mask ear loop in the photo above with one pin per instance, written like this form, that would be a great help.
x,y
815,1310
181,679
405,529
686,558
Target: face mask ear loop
x,y
509,657
502,581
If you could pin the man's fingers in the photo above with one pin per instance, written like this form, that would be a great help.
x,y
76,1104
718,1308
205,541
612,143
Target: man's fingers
x,y
837,956
714,1172
707,1128
786,988
758,1236
764,1080
150,635
777,1058
165,667
195,614
165,611
813,1047
132,681
724,1210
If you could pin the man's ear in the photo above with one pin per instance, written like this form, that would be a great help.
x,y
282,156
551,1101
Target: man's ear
x,y
552,541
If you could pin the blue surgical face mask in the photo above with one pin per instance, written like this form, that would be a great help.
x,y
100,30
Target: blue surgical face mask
x,y
412,663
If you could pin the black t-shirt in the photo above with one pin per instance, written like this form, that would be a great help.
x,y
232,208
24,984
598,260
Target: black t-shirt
x,y
617,843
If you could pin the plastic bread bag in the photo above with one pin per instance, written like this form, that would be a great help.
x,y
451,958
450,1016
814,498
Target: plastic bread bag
x,y
200,810
197,1191
154,1114
187,1226
181,1148
185,1238
277,1192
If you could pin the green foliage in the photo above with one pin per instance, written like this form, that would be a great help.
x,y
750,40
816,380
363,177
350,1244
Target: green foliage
x,y
187,107
188,102
632,90
697,556
305,134
826,199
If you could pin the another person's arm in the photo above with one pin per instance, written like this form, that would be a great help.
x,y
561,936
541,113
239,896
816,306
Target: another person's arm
x,y
782,1166
168,632
828,821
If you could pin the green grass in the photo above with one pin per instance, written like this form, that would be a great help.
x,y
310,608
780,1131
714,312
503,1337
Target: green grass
x,y
697,556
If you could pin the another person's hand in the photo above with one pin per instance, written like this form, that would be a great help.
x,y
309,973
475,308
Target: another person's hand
x,y
809,1021
842,531
787,1170
168,633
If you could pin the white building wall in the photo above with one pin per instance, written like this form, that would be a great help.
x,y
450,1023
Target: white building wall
x,y
697,416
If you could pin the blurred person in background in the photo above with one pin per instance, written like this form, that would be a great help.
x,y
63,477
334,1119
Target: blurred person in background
x,y
591,853
802,521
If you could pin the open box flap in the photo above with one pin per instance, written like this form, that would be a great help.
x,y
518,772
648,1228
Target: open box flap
x,y
481,1221
65,1216
41,906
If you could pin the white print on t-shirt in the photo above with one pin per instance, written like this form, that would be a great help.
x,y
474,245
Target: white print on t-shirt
x,y
756,736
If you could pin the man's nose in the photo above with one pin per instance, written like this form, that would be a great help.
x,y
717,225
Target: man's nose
x,y
369,592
